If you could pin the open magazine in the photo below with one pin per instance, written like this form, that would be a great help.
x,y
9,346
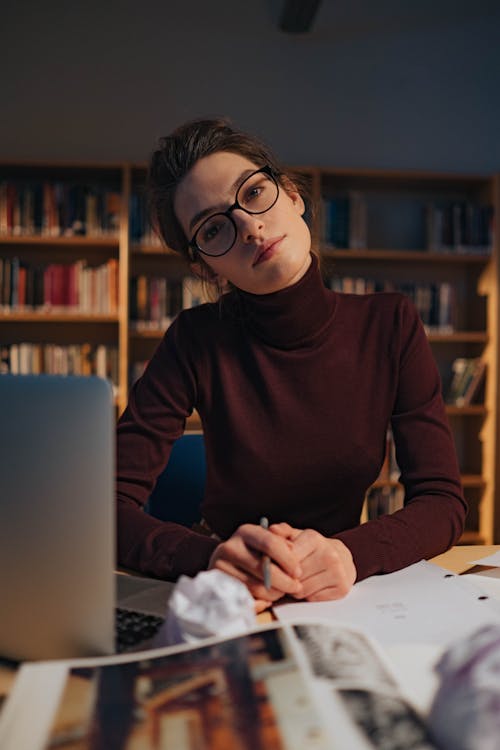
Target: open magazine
x,y
282,686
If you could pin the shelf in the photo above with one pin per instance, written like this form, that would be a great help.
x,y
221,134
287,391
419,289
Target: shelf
x,y
143,249
473,481
468,480
156,333
474,410
410,256
45,241
458,337
55,317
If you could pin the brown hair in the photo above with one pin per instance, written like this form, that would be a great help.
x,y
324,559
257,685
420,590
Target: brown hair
x,y
178,152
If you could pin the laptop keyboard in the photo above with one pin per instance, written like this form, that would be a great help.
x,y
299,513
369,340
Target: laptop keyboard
x,y
132,628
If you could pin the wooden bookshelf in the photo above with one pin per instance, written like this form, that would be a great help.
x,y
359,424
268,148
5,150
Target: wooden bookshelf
x,y
400,214
394,249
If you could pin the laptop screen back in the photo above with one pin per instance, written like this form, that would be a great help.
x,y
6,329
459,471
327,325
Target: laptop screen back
x,y
57,549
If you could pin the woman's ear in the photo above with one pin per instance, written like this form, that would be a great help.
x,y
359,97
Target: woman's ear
x,y
294,195
298,202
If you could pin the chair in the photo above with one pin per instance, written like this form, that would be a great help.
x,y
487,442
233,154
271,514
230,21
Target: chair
x,y
179,489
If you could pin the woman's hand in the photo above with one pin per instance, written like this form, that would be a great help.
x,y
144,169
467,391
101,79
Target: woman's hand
x,y
242,557
328,570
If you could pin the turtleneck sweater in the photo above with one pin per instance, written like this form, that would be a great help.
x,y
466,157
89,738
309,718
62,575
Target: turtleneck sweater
x,y
295,390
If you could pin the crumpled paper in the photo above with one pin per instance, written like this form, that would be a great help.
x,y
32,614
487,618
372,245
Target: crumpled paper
x,y
465,714
210,604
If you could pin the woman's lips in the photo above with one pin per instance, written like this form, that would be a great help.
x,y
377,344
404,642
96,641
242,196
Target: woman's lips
x,y
267,251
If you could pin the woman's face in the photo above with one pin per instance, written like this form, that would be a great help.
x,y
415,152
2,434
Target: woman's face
x,y
271,250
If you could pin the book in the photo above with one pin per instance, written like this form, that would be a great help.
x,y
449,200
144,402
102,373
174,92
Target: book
x,y
312,685
467,377
345,221
476,375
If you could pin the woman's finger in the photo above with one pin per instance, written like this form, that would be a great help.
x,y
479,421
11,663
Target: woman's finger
x,y
272,545
236,558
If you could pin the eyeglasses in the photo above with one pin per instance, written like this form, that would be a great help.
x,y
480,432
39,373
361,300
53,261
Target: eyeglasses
x,y
257,194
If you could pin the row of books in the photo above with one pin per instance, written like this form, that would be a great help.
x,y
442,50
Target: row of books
x,y
73,287
468,376
435,302
155,300
55,209
140,227
63,208
345,222
54,359
457,227
460,227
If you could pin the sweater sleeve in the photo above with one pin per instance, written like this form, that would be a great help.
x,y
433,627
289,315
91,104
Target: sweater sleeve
x,y
159,403
434,511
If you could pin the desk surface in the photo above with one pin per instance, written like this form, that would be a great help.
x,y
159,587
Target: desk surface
x,y
457,560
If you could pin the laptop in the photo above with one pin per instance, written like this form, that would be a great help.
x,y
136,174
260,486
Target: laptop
x,y
58,588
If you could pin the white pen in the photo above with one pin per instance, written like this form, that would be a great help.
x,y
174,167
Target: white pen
x,y
266,562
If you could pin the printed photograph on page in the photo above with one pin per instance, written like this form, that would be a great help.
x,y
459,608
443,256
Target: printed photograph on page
x,y
365,703
247,693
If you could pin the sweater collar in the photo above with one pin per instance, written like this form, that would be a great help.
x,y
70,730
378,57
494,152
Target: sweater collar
x,y
293,317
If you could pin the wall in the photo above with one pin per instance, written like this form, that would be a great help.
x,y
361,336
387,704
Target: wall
x,y
379,84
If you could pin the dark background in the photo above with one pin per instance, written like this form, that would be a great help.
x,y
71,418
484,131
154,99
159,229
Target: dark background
x,y
387,83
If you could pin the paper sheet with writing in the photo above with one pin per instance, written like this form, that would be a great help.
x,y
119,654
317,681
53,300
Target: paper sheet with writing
x,y
422,603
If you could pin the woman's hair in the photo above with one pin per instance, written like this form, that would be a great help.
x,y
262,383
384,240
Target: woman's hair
x,y
178,152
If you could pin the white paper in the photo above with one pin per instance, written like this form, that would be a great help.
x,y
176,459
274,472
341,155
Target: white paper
x,y
493,559
19,731
487,580
212,603
422,603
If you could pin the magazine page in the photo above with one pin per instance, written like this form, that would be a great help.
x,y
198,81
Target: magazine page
x,y
279,687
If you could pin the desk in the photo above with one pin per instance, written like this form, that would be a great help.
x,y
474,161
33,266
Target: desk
x,y
457,560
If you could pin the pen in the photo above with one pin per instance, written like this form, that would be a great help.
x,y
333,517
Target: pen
x,y
266,563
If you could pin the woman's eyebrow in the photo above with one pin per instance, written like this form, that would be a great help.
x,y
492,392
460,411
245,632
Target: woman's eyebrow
x,y
215,209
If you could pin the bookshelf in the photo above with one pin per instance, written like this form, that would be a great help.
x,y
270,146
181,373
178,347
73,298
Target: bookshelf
x,y
60,259
426,234
401,227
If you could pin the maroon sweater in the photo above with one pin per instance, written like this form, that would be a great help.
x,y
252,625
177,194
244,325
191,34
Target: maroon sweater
x,y
295,390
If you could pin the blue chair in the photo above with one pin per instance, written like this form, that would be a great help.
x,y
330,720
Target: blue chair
x,y
179,489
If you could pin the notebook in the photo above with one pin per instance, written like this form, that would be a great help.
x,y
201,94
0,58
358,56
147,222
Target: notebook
x,y
58,587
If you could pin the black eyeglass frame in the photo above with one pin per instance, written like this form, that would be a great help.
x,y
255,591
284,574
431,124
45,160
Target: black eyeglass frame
x,y
193,245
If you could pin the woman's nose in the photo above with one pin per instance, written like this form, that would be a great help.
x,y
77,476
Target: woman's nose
x,y
249,225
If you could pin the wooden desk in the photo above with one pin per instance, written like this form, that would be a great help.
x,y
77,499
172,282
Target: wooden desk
x,y
457,560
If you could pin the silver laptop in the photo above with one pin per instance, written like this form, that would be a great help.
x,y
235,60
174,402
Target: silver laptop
x,y
58,588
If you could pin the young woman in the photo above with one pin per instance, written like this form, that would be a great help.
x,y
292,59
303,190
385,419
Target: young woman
x,y
295,385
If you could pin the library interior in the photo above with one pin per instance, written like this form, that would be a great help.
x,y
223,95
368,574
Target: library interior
x,y
389,115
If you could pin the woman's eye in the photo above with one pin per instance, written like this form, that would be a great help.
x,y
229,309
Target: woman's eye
x,y
255,192
211,231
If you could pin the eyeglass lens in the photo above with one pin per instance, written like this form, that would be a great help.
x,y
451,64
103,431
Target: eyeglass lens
x,y
256,194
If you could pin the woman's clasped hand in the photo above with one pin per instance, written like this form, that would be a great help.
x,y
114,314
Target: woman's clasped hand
x,y
305,564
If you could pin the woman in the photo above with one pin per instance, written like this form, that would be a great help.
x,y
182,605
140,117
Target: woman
x,y
295,385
